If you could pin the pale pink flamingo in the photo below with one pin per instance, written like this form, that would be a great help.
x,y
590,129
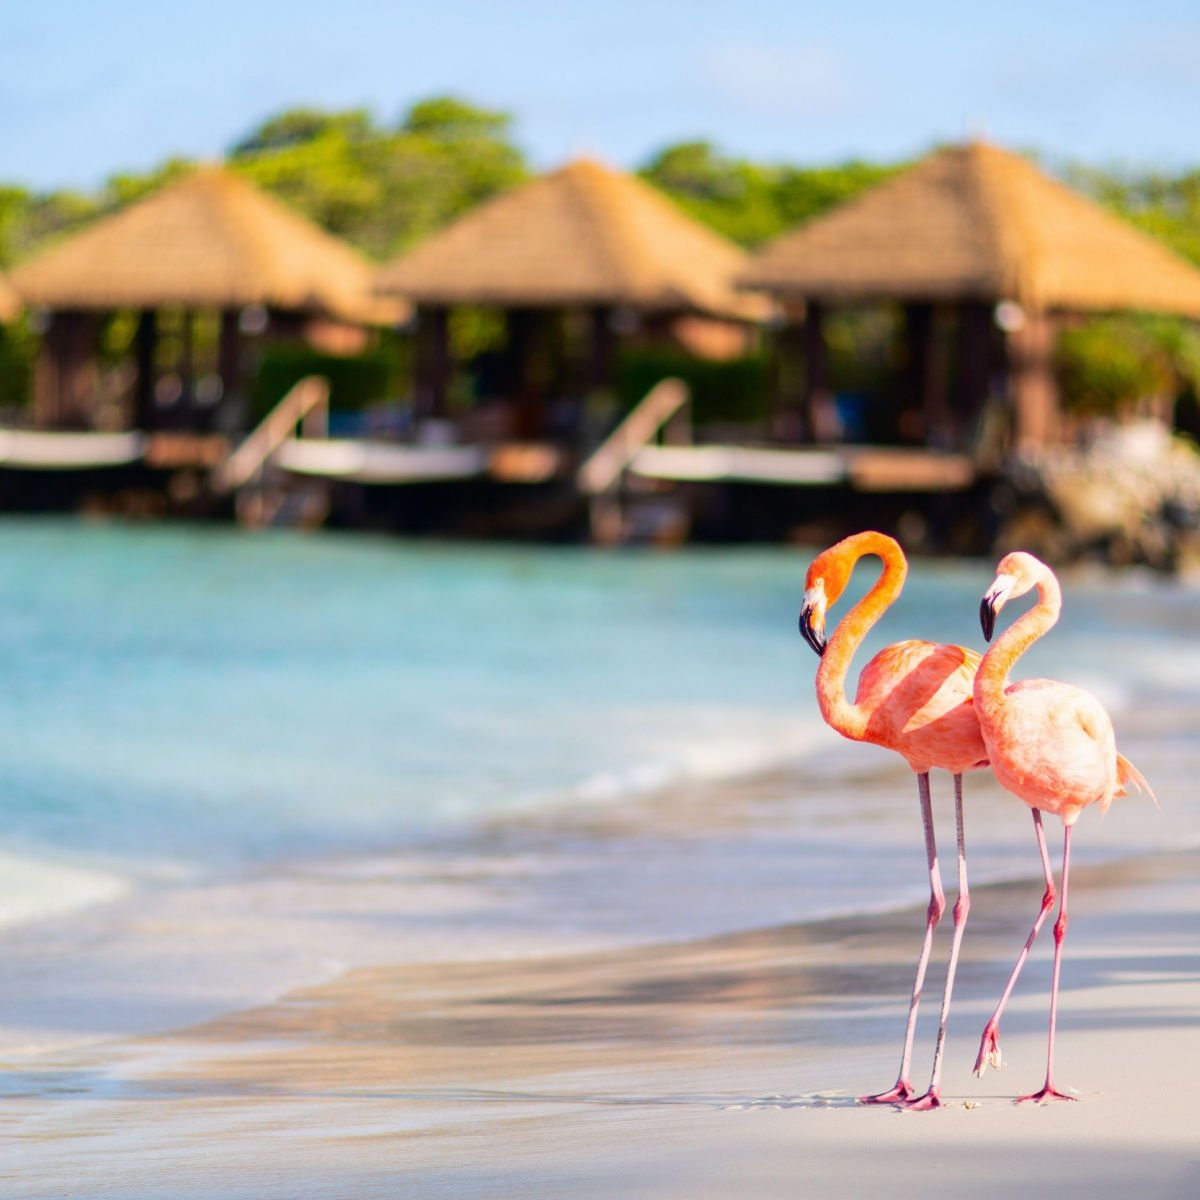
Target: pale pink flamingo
x,y
915,698
1051,745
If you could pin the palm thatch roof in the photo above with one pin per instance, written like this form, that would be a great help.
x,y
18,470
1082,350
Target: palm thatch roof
x,y
211,240
584,235
977,222
10,302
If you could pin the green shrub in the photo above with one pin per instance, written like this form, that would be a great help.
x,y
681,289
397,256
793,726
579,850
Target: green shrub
x,y
355,381
1112,362
735,390
18,352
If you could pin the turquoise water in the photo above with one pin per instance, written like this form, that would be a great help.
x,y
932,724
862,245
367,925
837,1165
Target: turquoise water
x,y
180,700
209,695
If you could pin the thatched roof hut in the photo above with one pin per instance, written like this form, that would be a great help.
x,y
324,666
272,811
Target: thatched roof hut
x,y
10,302
210,241
582,240
971,226
581,236
977,222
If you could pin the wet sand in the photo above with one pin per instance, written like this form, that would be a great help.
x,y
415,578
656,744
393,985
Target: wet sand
x,y
714,1067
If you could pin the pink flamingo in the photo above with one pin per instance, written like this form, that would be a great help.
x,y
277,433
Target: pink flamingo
x,y
1051,745
915,698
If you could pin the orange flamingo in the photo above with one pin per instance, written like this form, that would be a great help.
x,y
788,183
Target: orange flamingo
x,y
915,698
1050,744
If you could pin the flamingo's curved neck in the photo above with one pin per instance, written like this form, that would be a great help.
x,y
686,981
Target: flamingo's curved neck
x,y
847,718
992,677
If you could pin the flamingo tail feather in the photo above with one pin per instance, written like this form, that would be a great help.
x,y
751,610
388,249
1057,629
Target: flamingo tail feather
x,y
1127,773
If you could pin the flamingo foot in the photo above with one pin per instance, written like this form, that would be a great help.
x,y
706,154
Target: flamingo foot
x,y
989,1049
926,1103
1048,1093
902,1093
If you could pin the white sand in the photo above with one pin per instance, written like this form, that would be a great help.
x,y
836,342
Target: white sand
x,y
721,1068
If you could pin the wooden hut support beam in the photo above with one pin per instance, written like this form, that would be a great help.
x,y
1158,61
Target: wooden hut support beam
x,y
603,349
816,371
229,355
145,341
66,379
973,369
432,367
927,378
1031,380
788,372
187,368
527,330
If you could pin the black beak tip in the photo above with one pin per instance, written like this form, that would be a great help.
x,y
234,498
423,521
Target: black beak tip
x,y
810,635
987,617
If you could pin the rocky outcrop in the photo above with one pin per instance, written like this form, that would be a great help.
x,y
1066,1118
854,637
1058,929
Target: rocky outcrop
x,y
1130,494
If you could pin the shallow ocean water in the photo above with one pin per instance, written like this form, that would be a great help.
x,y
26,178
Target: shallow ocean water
x,y
182,702
237,764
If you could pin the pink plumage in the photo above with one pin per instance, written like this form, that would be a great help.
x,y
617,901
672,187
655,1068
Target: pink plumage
x,y
1052,745
914,698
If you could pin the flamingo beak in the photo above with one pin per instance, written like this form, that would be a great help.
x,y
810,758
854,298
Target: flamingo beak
x,y
993,601
812,618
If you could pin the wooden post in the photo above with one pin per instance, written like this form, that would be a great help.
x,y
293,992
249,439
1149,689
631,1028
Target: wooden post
x,y
1031,379
788,372
431,370
526,329
45,381
816,370
66,379
603,349
188,410
145,342
229,354
973,369
931,420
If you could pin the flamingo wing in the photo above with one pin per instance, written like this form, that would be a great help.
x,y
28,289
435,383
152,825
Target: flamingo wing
x,y
919,702
924,668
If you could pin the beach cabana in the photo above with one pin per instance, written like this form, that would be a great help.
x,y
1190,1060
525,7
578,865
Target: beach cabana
x,y
209,242
982,234
585,239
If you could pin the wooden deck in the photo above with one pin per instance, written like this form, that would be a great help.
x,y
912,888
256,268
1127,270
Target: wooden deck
x,y
380,462
42,450
864,468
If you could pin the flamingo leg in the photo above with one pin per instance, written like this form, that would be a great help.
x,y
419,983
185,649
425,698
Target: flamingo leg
x,y
903,1090
962,906
989,1044
1049,1091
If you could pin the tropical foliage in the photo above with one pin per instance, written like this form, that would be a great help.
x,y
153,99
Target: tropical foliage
x,y
751,202
384,186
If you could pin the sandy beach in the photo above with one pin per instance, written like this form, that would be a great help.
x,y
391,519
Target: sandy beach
x,y
584,901
706,1068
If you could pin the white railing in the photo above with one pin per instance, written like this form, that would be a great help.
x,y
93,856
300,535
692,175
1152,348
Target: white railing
x,y
603,470
666,409
306,405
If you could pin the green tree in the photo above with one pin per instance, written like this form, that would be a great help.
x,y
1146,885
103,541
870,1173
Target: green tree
x,y
447,118
1110,362
379,188
751,202
297,126
1165,206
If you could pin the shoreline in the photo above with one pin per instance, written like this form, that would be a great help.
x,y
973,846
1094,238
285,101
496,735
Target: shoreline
x,y
686,864
669,1071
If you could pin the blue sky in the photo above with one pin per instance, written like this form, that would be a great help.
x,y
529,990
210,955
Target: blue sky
x,y
87,89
